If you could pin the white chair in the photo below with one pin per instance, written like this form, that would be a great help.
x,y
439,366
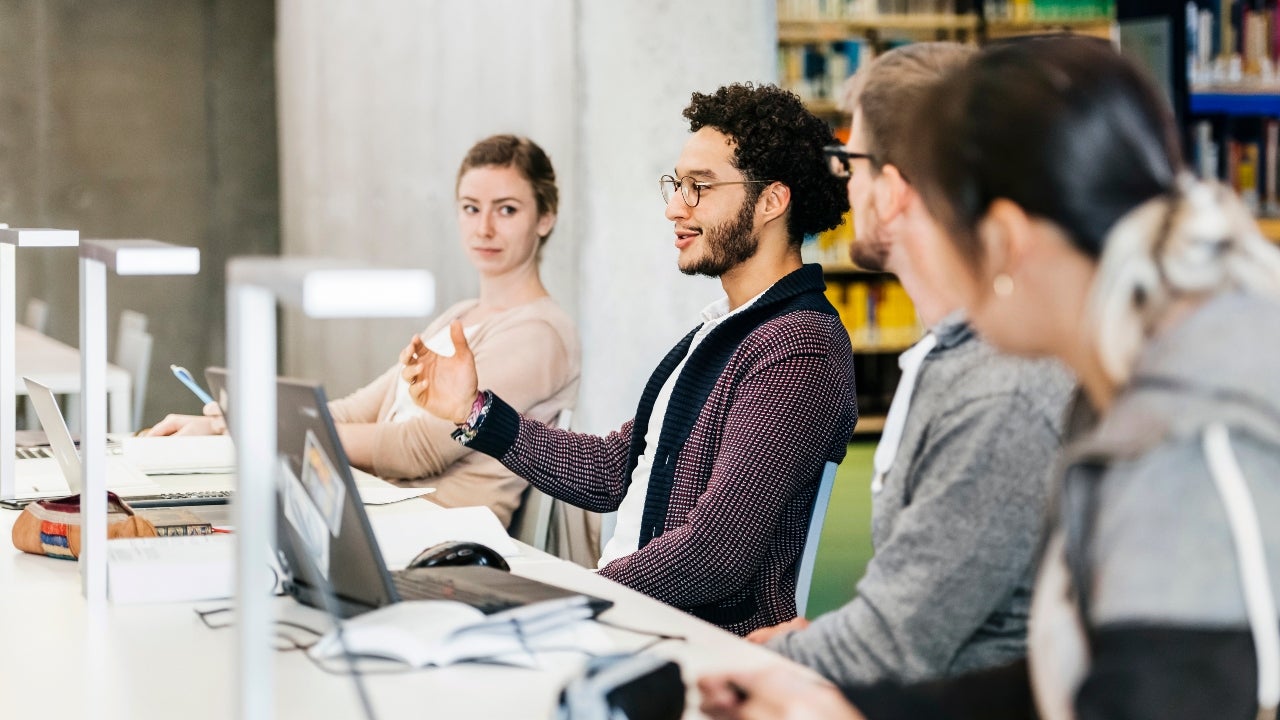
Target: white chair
x,y
133,353
131,321
804,572
36,316
532,522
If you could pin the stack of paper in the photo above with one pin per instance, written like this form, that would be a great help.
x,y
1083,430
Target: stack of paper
x,y
171,569
181,454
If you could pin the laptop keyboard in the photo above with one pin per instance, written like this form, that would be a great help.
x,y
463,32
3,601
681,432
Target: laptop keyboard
x,y
44,451
422,586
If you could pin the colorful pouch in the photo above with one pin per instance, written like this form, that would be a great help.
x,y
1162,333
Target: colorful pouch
x,y
52,527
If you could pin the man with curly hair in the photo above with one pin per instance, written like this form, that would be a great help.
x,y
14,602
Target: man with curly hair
x,y
715,477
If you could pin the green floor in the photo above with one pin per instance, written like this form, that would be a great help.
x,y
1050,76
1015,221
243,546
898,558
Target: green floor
x,y
846,535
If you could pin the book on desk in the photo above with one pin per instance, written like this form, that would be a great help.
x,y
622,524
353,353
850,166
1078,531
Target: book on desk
x,y
175,521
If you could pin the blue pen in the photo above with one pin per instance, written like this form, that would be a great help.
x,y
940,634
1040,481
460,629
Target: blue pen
x,y
182,374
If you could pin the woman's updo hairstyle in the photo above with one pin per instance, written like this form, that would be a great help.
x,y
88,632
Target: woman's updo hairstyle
x,y
1074,133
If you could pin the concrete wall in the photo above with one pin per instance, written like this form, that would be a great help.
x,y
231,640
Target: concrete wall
x,y
376,112
141,118
378,107
638,63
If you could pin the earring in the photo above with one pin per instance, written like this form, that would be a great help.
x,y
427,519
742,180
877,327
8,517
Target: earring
x,y
1002,285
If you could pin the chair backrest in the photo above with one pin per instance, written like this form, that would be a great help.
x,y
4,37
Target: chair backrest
x,y
36,316
804,572
131,321
133,353
532,523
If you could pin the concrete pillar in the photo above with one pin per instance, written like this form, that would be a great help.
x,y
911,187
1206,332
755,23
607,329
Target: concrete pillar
x,y
640,61
378,103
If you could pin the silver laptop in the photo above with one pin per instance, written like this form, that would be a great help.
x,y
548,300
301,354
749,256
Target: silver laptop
x,y
36,477
327,544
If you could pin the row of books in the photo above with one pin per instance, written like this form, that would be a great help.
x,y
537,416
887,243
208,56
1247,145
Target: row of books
x,y
1049,10
817,71
1232,41
808,10
830,248
878,313
1244,156
875,309
995,10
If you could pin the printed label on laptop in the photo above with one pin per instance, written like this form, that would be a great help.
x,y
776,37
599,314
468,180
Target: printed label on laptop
x,y
320,477
305,518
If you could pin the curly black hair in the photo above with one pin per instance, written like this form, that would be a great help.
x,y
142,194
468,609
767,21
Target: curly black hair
x,y
776,138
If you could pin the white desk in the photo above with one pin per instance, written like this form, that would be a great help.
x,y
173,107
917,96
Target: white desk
x,y
160,661
57,365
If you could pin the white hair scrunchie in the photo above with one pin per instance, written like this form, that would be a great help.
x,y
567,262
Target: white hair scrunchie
x,y
1198,240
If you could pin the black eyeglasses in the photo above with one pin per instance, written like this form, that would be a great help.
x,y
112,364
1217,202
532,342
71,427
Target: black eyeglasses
x,y
838,160
692,189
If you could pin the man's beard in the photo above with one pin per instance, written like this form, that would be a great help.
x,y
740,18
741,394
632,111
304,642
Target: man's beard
x,y
728,244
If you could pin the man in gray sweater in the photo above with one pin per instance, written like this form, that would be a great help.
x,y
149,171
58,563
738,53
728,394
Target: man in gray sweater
x,y
963,466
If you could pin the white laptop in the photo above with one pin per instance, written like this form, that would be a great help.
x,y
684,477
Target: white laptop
x,y
59,475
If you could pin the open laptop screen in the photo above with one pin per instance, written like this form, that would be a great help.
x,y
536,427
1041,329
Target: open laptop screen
x,y
324,533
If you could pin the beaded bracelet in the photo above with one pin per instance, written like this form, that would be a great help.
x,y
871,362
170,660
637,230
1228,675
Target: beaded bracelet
x,y
467,431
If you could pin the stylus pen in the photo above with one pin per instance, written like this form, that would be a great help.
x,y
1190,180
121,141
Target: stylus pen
x,y
182,374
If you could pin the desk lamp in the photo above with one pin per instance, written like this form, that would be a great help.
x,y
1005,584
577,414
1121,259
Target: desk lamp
x,y
124,257
10,240
321,289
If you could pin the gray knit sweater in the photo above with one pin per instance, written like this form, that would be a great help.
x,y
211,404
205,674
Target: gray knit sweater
x,y
956,526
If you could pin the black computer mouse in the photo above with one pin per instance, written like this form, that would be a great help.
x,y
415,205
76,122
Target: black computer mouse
x,y
459,552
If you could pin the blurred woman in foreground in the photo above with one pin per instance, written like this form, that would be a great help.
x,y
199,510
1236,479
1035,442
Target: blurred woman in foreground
x,y
1069,228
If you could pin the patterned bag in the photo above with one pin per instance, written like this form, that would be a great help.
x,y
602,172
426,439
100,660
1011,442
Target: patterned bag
x,y
52,527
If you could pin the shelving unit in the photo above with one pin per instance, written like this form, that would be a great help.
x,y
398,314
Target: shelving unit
x,y
850,271
1238,103
1096,26
1270,228
1234,101
835,30
816,52
869,424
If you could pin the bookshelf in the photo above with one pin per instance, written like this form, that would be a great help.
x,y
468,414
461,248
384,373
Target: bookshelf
x,y
1234,101
1270,228
879,316
1225,58
823,42
837,29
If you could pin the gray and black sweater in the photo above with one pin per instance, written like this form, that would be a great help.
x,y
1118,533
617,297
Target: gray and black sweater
x,y
760,406
956,525
1154,585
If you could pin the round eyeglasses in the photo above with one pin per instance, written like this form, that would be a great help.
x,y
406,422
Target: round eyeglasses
x,y
840,161
692,189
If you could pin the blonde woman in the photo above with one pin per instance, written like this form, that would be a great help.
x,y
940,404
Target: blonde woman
x,y
523,342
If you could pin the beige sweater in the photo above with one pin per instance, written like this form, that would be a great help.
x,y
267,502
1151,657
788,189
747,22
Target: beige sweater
x,y
528,355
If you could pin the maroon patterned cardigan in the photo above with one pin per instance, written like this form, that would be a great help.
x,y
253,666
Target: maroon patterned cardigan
x,y
763,402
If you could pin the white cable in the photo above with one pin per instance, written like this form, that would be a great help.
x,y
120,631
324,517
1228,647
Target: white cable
x,y
1255,580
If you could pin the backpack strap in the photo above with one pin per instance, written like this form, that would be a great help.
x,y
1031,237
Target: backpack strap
x,y
1255,581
